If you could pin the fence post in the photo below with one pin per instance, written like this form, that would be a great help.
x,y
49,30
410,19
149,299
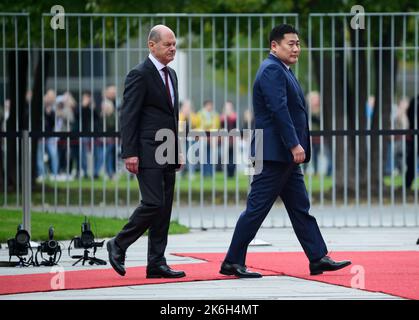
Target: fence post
x,y
26,181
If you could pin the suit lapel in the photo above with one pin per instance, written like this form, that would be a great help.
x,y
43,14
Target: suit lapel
x,y
175,86
293,80
300,91
159,82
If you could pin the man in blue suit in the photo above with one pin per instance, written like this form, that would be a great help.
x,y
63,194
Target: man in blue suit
x,y
280,110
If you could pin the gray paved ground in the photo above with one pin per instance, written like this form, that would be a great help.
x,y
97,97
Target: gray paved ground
x,y
280,239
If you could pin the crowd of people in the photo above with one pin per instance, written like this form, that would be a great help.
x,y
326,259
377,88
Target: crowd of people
x,y
64,158
208,119
402,118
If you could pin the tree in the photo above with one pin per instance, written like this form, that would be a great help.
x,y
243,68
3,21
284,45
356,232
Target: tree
x,y
354,61
18,60
356,64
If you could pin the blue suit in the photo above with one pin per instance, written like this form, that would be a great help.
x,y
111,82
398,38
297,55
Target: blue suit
x,y
280,110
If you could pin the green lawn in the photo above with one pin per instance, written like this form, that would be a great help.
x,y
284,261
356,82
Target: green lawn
x,y
125,191
208,183
218,182
66,226
108,191
123,184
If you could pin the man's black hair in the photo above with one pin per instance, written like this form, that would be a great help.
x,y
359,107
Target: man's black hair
x,y
278,32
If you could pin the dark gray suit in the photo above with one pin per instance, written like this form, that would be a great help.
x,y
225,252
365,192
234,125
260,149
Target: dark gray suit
x,y
145,110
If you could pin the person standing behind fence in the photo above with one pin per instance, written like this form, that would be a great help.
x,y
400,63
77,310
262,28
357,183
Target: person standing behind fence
x,y
5,114
65,119
228,121
104,152
280,111
109,117
412,113
150,104
111,121
313,99
188,120
87,118
394,157
247,127
369,111
48,144
209,120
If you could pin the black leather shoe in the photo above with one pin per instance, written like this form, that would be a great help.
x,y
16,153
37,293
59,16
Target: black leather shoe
x,y
327,264
237,270
164,271
116,257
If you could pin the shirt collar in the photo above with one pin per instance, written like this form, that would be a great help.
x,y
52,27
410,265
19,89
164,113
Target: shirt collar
x,y
287,66
156,62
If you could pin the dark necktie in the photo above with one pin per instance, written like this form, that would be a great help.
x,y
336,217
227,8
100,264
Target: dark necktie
x,y
166,79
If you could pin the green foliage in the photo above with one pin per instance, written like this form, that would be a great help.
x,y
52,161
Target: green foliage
x,y
116,29
35,10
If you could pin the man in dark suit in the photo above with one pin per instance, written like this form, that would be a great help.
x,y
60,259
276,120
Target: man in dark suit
x,y
150,107
280,110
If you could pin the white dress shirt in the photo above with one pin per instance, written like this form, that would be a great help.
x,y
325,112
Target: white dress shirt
x,y
287,66
159,66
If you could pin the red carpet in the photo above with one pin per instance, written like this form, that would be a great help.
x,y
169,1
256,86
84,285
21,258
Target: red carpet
x,y
105,278
394,273
391,272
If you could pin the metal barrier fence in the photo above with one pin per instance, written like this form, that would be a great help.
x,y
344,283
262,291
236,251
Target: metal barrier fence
x,y
350,67
76,76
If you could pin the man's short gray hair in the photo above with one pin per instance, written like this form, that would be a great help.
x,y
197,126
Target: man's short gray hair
x,y
154,34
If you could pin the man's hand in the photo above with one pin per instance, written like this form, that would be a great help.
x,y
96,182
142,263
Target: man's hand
x,y
131,164
299,154
181,162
